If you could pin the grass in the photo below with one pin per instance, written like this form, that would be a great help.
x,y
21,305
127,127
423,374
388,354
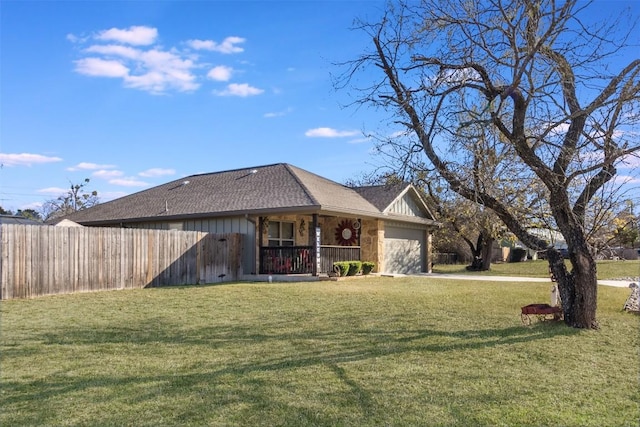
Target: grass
x,y
540,268
375,351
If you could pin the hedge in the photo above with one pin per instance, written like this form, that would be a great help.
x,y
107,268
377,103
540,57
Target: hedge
x,y
351,268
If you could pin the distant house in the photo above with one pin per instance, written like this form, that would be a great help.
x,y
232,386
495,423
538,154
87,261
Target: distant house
x,y
16,219
292,221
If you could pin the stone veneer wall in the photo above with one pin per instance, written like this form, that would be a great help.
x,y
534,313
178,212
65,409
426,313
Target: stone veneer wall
x,y
371,235
371,242
328,226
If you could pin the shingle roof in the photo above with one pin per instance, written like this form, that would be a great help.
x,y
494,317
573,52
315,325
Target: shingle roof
x,y
272,188
381,196
16,219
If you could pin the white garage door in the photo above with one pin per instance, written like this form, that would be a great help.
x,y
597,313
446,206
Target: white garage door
x,y
404,250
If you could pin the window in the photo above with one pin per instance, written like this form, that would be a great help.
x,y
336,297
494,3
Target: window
x,y
281,233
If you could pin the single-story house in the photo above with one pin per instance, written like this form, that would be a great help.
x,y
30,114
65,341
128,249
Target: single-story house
x,y
19,220
292,221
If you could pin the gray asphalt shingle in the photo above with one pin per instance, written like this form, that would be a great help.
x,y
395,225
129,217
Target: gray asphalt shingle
x,y
251,190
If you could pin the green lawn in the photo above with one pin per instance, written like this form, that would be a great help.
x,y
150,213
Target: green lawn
x,y
540,268
375,351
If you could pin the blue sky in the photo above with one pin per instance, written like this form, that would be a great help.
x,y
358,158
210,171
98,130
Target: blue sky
x,y
132,94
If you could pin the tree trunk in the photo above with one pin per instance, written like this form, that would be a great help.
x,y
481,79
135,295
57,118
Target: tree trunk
x,y
481,253
578,288
487,252
476,261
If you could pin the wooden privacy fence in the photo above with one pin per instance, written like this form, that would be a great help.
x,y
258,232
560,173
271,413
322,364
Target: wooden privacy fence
x,y
44,260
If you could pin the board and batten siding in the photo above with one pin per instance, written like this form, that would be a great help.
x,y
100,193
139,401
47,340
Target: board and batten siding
x,y
239,225
38,260
406,205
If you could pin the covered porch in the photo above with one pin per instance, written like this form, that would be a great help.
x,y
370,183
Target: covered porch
x,y
300,259
310,244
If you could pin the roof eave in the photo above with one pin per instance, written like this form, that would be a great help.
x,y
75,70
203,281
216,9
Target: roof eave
x,y
413,219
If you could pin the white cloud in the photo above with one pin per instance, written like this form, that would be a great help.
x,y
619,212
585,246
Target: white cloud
x,y
132,56
53,190
115,50
330,133
134,35
358,140
201,44
153,172
278,113
98,67
242,90
25,159
89,166
128,182
164,70
107,174
78,39
228,45
220,73
157,71
625,180
630,161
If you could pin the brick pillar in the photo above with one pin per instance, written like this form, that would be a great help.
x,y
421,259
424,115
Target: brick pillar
x,y
380,244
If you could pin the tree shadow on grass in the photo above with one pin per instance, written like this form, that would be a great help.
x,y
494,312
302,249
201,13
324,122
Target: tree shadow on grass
x,y
266,350
311,347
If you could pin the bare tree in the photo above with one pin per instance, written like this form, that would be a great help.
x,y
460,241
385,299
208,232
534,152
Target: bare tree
x,y
75,199
467,221
539,78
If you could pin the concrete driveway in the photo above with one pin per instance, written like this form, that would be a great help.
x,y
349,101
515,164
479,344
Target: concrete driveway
x,y
616,283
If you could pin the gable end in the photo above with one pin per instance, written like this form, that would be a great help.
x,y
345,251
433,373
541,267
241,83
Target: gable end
x,y
407,205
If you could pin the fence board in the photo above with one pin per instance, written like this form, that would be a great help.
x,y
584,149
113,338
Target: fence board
x,y
42,260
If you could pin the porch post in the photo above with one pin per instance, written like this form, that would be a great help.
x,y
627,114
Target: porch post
x,y
259,242
429,251
316,245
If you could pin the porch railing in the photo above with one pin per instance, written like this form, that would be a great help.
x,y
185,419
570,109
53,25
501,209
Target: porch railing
x,y
299,259
331,254
286,260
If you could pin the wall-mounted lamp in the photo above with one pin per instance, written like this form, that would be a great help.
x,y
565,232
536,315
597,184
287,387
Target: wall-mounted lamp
x,y
302,227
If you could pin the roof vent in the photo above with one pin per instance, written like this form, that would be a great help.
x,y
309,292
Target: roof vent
x,y
254,171
185,182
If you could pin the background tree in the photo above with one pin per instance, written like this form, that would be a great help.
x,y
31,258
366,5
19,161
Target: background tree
x,y
463,220
76,199
5,211
29,213
626,226
542,82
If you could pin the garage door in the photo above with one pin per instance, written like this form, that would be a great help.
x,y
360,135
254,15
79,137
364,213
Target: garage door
x,y
404,250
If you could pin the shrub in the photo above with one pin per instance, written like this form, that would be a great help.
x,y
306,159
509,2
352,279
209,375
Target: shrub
x,y
347,268
341,267
368,266
354,267
518,254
